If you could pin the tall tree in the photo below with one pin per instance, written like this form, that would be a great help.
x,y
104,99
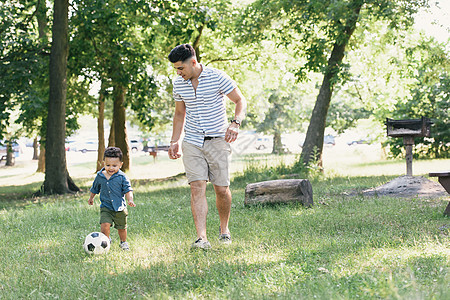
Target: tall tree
x,y
282,115
109,39
57,179
322,31
21,65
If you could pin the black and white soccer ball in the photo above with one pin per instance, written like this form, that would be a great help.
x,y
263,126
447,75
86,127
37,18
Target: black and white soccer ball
x,y
96,243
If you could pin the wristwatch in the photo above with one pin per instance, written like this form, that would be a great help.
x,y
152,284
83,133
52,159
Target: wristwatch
x,y
237,121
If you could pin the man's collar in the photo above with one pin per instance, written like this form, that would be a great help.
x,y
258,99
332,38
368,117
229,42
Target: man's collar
x,y
202,73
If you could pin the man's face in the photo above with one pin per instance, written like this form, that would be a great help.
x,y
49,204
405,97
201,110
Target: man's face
x,y
185,69
112,165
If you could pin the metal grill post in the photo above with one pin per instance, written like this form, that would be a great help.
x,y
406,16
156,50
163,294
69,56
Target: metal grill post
x,y
408,141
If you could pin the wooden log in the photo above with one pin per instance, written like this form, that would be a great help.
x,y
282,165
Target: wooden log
x,y
279,191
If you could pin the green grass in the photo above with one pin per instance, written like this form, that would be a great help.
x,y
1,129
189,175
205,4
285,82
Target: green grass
x,y
342,248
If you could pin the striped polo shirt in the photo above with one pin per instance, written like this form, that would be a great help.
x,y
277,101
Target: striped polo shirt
x,y
205,108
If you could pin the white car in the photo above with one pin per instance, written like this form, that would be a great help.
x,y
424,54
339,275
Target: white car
x,y
136,146
84,146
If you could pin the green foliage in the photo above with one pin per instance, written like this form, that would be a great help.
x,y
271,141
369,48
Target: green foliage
x,y
120,42
342,115
282,115
428,66
24,85
22,65
313,27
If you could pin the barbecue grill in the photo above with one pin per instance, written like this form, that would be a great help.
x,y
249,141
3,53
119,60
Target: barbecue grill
x,y
408,129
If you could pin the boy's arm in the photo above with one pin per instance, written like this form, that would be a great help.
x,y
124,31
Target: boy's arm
x,y
129,197
91,199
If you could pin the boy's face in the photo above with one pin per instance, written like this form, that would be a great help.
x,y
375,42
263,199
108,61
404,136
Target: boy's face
x,y
112,165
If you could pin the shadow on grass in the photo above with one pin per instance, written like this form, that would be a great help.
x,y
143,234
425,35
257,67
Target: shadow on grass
x,y
19,192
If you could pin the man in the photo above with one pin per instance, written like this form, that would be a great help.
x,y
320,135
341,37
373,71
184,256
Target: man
x,y
200,109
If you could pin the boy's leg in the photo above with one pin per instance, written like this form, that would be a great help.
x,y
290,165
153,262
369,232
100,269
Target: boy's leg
x,y
122,234
120,221
105,228
123,239
106,221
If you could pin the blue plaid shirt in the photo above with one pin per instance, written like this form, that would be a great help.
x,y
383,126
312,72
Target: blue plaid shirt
x,y
112,190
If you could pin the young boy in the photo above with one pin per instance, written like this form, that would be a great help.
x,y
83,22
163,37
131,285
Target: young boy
x,y
113,185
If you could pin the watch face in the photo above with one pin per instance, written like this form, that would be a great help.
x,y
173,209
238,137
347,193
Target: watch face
x,y
237,122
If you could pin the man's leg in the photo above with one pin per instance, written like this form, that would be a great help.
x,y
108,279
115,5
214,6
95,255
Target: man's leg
x,y
223,203
199,207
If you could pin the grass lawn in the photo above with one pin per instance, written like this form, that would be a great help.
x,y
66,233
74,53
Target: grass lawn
x,y
342,248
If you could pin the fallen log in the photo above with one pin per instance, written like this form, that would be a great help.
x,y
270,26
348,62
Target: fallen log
x,y
279,191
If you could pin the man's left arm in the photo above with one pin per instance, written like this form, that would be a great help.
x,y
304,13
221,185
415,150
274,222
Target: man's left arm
x,y
239,114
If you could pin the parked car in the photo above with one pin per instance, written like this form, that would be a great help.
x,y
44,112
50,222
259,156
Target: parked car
x,y
136,146
16,148
359,142
158,148
84,146
329,140
69,145
263,142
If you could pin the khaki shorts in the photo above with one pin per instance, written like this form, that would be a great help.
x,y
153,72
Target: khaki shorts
x,y
211,162
116,218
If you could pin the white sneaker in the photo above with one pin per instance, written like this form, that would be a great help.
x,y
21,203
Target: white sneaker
x,y
124,246
225,238
201,244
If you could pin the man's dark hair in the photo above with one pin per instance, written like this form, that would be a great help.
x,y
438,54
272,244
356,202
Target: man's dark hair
x,y
113,152
181,53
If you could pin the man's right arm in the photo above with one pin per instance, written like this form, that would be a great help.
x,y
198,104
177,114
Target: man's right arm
x,y
178,124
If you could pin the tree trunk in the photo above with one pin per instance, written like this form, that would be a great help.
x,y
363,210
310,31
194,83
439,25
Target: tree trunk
x,y
313,146
10,160
41,17
41,160
101,129
120,129
35,149
111,138
277,145
196,44
56,174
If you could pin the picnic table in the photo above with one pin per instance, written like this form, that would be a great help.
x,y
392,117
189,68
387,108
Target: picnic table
x,y
4,157
444,180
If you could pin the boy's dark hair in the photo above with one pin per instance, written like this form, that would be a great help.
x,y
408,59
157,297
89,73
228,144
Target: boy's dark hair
x,y
113,152
181,53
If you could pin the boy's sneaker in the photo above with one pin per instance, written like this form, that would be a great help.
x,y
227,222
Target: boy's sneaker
x,y
201,244
225,238
124,246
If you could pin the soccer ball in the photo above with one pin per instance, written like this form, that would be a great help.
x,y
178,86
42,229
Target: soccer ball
x,y
96,243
